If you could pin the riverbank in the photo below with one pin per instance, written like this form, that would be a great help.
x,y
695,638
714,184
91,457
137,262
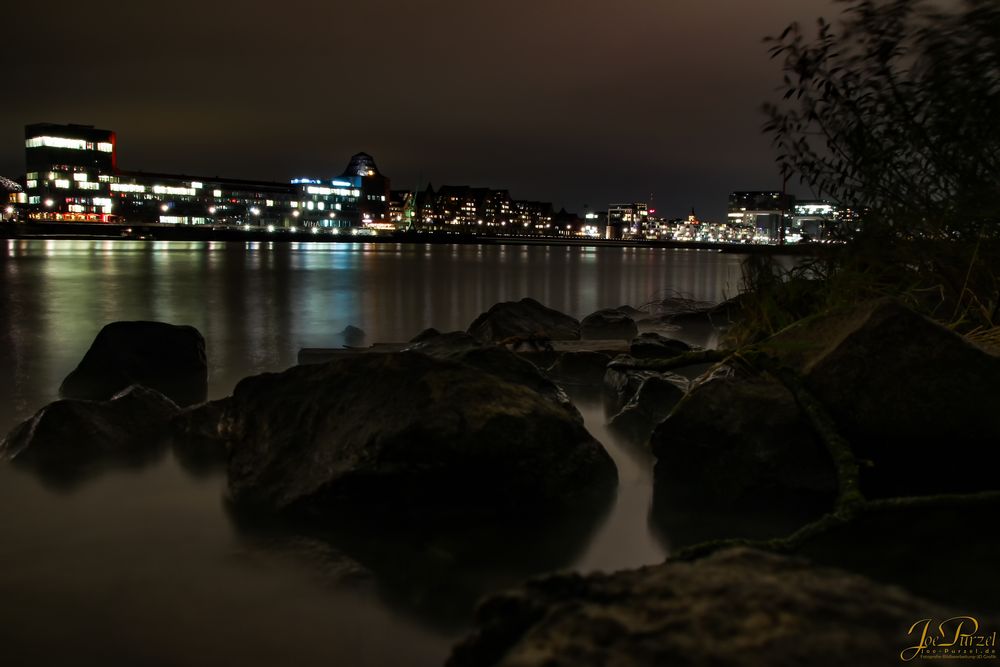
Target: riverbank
x,y
157,232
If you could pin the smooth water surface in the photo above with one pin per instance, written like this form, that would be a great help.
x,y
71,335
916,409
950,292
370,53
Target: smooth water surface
x,y
147,566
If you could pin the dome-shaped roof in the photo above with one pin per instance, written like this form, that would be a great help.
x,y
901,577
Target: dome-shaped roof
x,y
361,164
10,186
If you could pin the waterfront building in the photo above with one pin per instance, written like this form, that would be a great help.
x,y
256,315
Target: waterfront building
x,y
768,212
812,221
627,220
73,176
462,208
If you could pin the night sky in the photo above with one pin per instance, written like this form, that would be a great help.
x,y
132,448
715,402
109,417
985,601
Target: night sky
x,y
578,102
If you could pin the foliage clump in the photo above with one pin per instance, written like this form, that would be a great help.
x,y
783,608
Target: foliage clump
x,y
895,112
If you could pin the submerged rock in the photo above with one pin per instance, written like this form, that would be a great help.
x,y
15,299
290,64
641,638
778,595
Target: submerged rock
x,y
165,357
521,318
67,440
737,607
403,433
608,324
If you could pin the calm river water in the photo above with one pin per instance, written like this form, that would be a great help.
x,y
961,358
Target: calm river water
x,y
146,566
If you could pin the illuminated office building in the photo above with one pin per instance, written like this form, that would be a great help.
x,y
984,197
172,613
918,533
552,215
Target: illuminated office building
x,y
73,176
767,212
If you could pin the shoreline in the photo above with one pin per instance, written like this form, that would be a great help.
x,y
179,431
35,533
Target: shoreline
x,y
158,232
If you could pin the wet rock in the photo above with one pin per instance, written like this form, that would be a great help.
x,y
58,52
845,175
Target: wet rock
x,y
70,439
740,440
654,345
405,433
580,370
165,357
523,318
496,360
199,436
608,324
430,332
621,384
737,607
352,336
655,398
914,398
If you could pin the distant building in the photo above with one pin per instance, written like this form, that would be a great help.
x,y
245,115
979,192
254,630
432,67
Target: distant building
x,y
466,209
73,176
767,212
812,221
627,220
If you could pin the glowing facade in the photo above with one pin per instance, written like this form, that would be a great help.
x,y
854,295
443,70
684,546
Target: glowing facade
x,y
73,176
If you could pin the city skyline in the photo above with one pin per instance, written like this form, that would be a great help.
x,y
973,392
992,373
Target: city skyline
x,y
597,106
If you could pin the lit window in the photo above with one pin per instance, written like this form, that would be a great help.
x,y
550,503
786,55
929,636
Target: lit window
x,y
105,147
62,183
56,142
32,184
89,185
196,185
216,193
127,187
79,176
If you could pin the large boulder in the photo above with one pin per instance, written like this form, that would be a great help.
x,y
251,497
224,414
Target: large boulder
x,y
523,318
406,433
165,357
915,399
69,439
737,607
608,324
494,359
740,440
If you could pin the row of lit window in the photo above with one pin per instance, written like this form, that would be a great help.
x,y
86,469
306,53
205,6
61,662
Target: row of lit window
x,y
64,142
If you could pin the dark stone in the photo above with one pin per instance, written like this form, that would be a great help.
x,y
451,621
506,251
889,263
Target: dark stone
x,y
494,359
404,433
583,369
430,332
69,440
608,324
165,357
352,336
621,384
740,440
655,398
914,398
738,607
522,318
199,438
653,345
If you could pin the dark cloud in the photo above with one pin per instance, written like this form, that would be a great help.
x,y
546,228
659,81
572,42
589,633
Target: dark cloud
x,y
574,101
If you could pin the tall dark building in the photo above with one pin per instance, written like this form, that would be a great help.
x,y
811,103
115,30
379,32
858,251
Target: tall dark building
x,y
48,145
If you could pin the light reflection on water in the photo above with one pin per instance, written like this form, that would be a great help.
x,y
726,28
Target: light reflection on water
x,y
152,553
